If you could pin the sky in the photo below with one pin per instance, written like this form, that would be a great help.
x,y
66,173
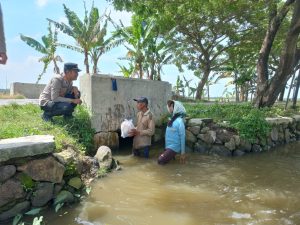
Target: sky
x,y
29,17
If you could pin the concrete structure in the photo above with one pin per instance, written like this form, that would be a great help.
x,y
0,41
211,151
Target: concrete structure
x,y
31,91
109,108
26,146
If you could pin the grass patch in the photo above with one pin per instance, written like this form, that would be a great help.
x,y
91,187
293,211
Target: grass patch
x,y
24,120
7,96
249,122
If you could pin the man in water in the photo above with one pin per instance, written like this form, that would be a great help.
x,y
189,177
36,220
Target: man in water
x,y
145,128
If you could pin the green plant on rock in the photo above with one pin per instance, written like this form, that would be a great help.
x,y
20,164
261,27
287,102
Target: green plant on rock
x,y
27,182
71,170
102,172
252,125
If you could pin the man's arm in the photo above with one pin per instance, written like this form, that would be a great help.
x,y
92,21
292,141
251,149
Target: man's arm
x,y
56,88
151,128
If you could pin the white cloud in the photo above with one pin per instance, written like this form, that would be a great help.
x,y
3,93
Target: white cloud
x,y
41,3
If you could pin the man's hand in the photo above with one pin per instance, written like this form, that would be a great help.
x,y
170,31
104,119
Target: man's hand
x,y
182,158
3,58
77,101
76,92
134,132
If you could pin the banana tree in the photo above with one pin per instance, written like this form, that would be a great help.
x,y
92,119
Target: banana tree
x,y
127,72
88,34
145,49
47,47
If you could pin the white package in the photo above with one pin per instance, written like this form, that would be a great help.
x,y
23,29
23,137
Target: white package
x,y
126,126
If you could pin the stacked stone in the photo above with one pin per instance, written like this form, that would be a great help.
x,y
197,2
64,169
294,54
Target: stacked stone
x,y
206,137
33,176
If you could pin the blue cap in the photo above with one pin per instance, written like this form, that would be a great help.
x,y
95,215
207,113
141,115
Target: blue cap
x,y
141,99
71,66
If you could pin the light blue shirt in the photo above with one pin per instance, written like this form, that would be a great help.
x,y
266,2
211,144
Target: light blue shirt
x,y
175,136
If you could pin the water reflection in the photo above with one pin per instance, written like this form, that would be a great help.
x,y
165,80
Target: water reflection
x,y
253,189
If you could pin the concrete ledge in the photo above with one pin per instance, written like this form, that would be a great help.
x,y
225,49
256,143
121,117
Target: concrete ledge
x,y
29,90
25,146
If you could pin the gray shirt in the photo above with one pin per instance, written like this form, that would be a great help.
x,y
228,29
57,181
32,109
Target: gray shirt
x,y
56,88
2,37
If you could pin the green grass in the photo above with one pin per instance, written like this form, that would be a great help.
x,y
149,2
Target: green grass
x,y
248,121
8,96
24,120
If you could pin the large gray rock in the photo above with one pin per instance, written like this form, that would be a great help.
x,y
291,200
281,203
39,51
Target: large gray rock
x,y
66,156
47,169
195,130
195,122
104,157
209,137
6,172
11,190
274,134
279,120
42,194
230,144
245,146
25,146
190,137
19,208
220,150
296,118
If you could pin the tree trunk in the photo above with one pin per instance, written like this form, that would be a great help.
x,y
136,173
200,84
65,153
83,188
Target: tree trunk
x,y
268,90
140,70
288,96
56,68
202,83
86,62
237,94
207,92
280,99
296,90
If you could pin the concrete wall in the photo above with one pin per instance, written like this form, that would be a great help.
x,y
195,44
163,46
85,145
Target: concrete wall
x,y
28,90
109,108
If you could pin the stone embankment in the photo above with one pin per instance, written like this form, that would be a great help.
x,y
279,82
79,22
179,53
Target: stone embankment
x,y
206,137
32,175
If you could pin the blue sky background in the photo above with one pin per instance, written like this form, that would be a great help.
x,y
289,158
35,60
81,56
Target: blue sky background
x,y
28,17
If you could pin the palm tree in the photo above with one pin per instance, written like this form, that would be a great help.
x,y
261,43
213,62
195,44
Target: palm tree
x,y
88,34
47,48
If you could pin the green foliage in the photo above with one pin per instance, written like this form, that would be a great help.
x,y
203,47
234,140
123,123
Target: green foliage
x,y
34,211
47,48
102,172
24,120
247,120
79,128
27,182
251,125
17,219
87,33
58,206
70,170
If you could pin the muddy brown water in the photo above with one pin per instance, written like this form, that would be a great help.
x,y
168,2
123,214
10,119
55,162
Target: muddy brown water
x,y
253,189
